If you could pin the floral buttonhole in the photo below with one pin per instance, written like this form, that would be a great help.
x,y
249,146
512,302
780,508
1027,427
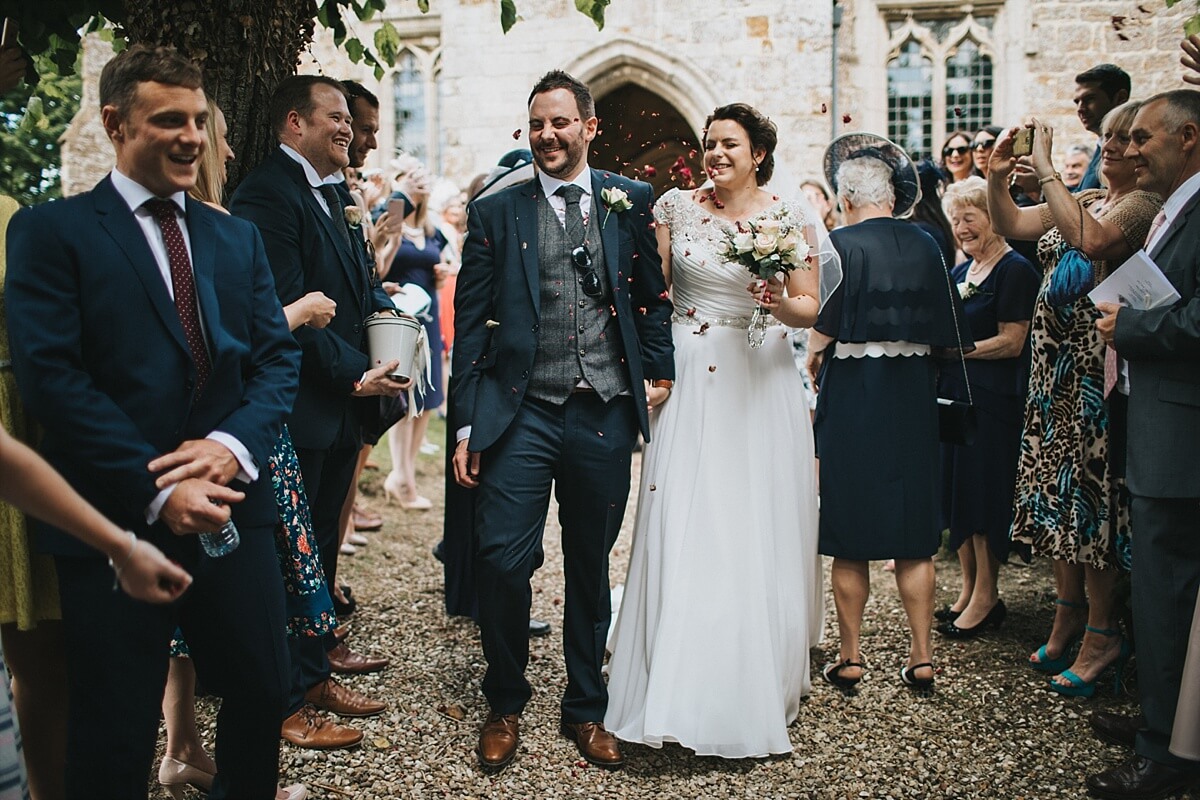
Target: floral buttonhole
x,y
615,201
353,216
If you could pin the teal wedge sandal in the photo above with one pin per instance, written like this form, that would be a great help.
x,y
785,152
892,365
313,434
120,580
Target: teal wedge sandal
x,y
1081,688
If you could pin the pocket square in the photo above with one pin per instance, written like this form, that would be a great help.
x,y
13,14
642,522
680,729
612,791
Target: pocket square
x,y
491,323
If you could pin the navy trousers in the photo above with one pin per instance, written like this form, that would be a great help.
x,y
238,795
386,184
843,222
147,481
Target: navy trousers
x,y
584,448
233,618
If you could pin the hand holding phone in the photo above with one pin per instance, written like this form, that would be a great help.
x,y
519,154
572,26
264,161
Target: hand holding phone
x,y
1023,142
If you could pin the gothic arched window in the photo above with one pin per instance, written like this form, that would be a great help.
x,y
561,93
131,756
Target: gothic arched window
x,y
939,78
910,100
408,86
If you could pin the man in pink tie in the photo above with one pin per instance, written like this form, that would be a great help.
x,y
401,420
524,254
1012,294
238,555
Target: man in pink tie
x,y
1162,350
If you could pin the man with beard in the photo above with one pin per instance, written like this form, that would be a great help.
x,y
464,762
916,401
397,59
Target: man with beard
x,y
1098,91
298,200
561,314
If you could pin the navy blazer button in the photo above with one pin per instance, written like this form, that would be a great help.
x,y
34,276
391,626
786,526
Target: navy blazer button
x,y
535,328
525,374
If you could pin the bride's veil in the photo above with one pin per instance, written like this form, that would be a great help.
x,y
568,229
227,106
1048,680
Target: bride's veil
x,y
785,183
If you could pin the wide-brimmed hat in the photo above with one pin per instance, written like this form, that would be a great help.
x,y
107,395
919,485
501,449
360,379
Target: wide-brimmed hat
x,y
905,181
515,166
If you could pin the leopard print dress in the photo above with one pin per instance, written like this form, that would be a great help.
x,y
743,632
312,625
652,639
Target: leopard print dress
x,y
1069,505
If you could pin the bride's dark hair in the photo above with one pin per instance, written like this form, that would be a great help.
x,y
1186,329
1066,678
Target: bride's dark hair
x,y
762,133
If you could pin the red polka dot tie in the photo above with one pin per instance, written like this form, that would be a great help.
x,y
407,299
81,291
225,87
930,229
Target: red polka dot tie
x,y
184,286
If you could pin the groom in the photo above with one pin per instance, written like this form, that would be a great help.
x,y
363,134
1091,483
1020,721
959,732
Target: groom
x,y
562,330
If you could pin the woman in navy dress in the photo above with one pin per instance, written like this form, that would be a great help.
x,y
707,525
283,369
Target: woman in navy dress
x,y
998,287
418,259
877,423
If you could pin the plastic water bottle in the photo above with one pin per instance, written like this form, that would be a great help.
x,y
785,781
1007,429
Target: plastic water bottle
x,y
222,542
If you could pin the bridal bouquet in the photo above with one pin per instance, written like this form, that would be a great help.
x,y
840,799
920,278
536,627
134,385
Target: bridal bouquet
x,y
766,247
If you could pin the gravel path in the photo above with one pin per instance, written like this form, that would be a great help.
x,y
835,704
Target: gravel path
x,y
991,729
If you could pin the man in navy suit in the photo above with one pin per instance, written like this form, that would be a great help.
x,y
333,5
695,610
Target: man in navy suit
x,y
1161,349
149,344
297,199
561,325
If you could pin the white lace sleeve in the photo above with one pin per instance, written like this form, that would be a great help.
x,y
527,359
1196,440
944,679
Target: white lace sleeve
x,y
665,208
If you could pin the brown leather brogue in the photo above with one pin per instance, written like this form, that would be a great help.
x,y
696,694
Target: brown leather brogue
x,y
498,741
329,695
596,745
345,661
307,728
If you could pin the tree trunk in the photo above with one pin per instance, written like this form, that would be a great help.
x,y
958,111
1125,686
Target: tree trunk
x,y
246,47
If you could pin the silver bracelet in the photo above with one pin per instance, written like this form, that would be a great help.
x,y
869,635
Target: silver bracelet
x,y
133,540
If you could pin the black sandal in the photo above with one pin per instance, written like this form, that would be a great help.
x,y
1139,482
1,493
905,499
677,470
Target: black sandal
x,y
832,672
909,678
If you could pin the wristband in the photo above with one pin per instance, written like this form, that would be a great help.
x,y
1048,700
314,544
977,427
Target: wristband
x,y
663,384
1051,177
133,540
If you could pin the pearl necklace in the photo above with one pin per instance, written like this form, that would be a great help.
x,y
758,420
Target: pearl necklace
x,y
981,265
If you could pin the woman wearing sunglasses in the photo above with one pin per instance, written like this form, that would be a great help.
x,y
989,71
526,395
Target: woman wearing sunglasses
x,y
956,156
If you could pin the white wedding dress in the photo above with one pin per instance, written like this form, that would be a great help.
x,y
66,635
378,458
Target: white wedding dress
x,y
723,598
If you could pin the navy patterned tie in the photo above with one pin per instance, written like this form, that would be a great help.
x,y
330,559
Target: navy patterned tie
x,y
184,286
337,211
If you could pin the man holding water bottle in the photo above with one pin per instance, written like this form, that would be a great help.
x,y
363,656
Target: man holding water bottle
x,y
149,344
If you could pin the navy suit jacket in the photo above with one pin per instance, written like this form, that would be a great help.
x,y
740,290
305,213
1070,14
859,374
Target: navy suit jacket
x,y
102,364
499,282
308,254
1162,347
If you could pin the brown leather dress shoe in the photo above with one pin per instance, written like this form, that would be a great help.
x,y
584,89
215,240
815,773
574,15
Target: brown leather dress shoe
x,y
347,662
329,695
306,728
365,519
498,741
596,745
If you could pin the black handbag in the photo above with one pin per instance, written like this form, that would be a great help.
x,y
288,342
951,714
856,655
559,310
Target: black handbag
x,y
956,419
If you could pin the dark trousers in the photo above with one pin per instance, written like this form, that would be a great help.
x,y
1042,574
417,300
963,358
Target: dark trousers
x,y
1165,577
584,448
234,621
327,475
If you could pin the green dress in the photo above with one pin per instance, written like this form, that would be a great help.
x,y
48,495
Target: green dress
x,y
28,583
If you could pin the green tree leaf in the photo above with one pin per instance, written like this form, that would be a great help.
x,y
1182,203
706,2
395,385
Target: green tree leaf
x,y
593,9
1192,25
387,43
354,49
508,15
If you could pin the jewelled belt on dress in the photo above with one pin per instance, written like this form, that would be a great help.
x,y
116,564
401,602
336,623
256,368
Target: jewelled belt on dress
x,y
720,322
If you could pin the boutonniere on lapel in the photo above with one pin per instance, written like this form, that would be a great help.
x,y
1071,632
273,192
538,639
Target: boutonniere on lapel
x,y
614,200
353,215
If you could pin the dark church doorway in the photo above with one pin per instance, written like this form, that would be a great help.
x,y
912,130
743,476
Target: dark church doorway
x,y
643,136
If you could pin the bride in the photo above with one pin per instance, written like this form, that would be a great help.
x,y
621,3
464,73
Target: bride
x,y
723,598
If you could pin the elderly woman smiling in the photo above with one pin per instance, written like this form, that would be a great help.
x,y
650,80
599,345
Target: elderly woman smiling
x,y
998,287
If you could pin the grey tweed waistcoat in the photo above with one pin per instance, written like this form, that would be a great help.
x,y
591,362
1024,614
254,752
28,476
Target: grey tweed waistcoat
x,y
578,336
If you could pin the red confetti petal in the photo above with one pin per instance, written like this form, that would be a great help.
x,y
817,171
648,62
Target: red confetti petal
x,y
846,119
712,367
649,171
824,108
663,295
653,488
691,312
517,133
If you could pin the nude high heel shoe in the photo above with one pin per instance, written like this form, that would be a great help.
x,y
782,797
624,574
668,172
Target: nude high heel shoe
x,y
393,489
175,775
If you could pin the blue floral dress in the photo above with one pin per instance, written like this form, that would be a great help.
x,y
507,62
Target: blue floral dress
x,y
309,605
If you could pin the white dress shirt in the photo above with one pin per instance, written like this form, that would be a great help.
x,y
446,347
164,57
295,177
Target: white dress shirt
x,y
314,180
135,196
